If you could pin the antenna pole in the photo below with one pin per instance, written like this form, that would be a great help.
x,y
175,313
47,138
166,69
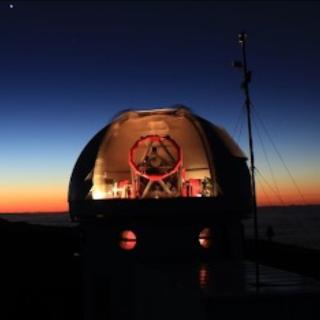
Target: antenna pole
x,y
242,37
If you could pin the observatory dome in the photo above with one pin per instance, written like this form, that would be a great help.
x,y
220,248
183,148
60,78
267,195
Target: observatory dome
x,y
169,154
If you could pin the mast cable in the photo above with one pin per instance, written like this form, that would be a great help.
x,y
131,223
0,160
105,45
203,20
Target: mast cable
x,y
269,186
269,164
238,138
256,115
264,191
239,122
280,156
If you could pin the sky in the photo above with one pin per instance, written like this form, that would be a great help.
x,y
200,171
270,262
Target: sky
x,y
66,68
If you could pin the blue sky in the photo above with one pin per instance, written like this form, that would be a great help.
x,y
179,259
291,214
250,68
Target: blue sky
x,y
67,68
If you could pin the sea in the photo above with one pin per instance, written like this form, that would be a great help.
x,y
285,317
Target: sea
x,y
294,225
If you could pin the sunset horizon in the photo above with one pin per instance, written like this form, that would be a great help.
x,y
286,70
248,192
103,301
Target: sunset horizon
x,y
159,160
62,207
63,80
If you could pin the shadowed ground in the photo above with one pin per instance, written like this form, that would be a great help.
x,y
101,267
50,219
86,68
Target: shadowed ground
x,y
41,278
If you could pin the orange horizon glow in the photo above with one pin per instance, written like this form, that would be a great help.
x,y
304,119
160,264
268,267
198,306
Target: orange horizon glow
x,y
60,205
289,195
30,207
32,199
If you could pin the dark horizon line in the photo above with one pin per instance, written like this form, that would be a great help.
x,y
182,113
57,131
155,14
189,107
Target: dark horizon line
x,y
67,212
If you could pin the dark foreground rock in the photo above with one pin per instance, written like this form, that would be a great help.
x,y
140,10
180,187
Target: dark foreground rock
x,y
42,278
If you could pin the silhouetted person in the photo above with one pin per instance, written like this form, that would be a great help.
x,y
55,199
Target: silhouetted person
x,y
270,233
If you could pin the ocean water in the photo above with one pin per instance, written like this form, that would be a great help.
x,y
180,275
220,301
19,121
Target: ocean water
x,y
295,225
48,219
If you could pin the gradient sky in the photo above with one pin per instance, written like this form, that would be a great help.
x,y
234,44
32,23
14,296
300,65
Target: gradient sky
x,y
67,68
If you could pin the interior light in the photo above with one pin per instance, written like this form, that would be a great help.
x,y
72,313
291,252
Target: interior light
x,y
205,238
128,240
98,194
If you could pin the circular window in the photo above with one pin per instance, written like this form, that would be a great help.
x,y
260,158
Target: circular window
x,y
128,240
205,238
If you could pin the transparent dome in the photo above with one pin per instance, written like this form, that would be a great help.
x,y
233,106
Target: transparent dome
x,y
160,154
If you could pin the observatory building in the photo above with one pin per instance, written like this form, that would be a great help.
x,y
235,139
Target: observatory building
x,y
171,155
163,168
161,183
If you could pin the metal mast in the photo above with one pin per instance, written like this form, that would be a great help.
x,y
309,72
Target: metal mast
x,y
242,39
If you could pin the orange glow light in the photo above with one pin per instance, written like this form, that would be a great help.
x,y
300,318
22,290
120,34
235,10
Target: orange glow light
x,y
205,238
204,276
32,198
128,240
